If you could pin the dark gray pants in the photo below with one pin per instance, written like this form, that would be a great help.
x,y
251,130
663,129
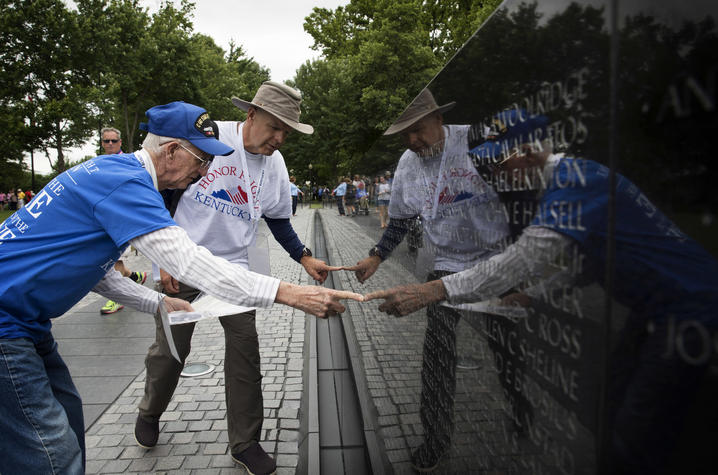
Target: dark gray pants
x,y
242,374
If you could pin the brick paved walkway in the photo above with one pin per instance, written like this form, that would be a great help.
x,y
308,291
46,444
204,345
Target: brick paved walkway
x,y
193,436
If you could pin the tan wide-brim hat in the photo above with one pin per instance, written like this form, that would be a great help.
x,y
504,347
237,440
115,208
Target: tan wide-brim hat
x,y
279,100
423,105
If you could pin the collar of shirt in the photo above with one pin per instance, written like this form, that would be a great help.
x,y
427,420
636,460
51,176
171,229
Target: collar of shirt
x,y
548,169
144,158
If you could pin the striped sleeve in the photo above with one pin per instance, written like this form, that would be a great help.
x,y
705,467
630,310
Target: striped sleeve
x,y
529,259
115,287
173,250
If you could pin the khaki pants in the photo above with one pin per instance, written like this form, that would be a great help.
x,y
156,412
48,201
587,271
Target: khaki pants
x,y
242,374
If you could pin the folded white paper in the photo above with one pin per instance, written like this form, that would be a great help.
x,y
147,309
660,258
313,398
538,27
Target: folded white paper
x,y
165,317
206,306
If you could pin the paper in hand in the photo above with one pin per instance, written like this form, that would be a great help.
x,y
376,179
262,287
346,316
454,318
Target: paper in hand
x,y
168,331
206,306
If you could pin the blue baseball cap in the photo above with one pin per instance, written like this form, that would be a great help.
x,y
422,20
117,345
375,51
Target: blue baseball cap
x,y
181,120
511,128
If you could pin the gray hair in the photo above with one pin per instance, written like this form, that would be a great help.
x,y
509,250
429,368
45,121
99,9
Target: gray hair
x,y
153,143
111,129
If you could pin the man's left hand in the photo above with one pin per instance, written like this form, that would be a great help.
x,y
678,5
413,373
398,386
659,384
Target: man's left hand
x,y
173,304
318,269
405,299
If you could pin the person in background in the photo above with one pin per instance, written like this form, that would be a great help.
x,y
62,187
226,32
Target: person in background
x,y
362,198
3,198
350,197
338,194
111,139
294,191
20,198
12,200
383,194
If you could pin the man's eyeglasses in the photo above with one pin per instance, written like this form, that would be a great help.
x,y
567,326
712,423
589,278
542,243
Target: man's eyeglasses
x,y
110,140
206,162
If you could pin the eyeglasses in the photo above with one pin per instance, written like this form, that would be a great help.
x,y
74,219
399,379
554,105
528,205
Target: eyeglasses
x,y
110,140
206,162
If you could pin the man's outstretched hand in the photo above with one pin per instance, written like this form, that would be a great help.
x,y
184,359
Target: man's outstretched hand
x,y
364,268
318,301
405,299
317,268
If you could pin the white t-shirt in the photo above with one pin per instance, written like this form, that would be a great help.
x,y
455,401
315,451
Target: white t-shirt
x,y
383,191
222,210
462,219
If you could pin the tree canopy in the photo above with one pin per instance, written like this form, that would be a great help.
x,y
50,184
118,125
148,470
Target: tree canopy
x,y
68,71
376,55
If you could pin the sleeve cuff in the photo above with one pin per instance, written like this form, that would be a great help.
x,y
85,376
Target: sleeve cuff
x,y
265,290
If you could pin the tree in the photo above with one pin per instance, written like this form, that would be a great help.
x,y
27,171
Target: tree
x,y
376,57
41,48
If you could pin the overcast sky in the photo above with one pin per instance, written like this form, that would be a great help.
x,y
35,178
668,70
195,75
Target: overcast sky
x,y
270,31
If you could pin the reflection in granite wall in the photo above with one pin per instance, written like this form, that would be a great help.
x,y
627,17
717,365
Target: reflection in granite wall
x,y
562,171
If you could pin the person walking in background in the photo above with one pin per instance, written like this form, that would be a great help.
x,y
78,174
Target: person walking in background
x,y
294,191
383,194
12,200
350,197
362,199
338,193
112,145
20,198
3,198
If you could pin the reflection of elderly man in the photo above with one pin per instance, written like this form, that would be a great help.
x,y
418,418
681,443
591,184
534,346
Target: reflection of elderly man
x,y
221,212
665,278
462,225
64,244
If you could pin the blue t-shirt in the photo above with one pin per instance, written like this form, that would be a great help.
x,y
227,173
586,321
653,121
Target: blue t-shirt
x,y
659,271
55,250
340,190
293,189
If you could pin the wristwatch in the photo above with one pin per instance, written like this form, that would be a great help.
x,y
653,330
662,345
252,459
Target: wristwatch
x,y
306,252
376,252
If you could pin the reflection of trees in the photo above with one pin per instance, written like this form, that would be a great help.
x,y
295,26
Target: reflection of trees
x,y
668,81
667,85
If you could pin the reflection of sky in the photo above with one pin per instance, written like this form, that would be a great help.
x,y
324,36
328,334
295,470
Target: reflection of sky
x,y
672,13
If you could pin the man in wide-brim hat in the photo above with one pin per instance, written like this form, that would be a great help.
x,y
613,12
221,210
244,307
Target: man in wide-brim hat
x,y
462,224
221,212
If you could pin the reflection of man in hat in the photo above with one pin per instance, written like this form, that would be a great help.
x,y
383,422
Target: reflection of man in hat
x,y
665,279
221,212
64,243
461,224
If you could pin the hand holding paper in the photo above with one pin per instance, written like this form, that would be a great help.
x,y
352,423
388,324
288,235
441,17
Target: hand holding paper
x,y
173,305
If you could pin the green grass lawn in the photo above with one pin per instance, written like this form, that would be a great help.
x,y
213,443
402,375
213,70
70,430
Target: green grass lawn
x,y
4,214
